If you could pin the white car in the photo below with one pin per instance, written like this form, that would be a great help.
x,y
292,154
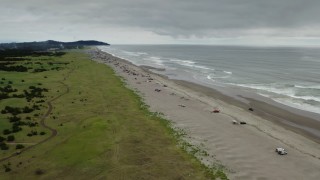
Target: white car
x,y
281,151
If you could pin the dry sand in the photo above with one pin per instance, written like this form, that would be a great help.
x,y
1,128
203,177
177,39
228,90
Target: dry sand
x,y
247,151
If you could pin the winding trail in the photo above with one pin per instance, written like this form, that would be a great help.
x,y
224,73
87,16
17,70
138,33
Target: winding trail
x,y
54,132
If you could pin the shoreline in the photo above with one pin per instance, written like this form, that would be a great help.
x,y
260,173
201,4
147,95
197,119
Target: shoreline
x,y
304,123
189,107
280,116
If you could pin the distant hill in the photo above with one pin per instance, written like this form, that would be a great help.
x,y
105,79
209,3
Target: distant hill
x,y
51,44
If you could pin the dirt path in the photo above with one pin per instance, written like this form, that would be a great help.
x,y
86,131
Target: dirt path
x,y
54,132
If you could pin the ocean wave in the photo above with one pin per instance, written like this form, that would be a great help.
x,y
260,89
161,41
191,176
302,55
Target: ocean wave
x,y
202,67
290,92
308,86
307,98
136,54
182,62
154,59
142,53
209,77
307,105
189,63
298,105
214,76
227,72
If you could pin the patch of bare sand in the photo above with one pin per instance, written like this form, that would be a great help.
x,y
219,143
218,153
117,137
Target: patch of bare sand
x,y
247,151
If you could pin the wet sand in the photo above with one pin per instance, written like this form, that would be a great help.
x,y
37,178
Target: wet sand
x,y
247,151
287,119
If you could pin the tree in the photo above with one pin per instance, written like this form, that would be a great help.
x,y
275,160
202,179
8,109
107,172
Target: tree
x,y
10,138
4,146
6,131
2,139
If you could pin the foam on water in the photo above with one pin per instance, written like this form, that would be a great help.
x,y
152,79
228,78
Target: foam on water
x,y
189,63
294,103
154,59
227,72
308,87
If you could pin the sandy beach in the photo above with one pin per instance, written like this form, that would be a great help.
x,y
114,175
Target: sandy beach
x,y
246,151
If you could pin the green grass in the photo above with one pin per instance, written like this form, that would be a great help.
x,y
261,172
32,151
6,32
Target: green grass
x,y
104,131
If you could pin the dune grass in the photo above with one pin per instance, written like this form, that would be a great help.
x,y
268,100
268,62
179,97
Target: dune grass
x,y
104,130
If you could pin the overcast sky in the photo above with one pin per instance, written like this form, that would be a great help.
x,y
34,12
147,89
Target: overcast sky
x,y
247,22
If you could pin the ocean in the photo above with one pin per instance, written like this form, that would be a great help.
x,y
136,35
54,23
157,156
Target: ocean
x,y
287,75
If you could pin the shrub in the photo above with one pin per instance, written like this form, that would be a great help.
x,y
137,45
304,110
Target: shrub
x,y
2,139
39,172
42,133
7,169
16,128
14,119
6,131
26,109
12,110
4,146
10,138
19,146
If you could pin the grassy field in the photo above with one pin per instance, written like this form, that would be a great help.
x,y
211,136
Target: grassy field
x,y
104,131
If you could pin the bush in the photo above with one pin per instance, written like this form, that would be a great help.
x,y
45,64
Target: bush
x,y
19,146
42,133
7,169
16,128
39,172
4,146
26,109
2,139
6,131
12,110
10,138
14,119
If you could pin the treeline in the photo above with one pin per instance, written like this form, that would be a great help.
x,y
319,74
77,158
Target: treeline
x,y
50,44
9,59
18,54
13,68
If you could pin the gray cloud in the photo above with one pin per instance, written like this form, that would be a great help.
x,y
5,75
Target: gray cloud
x,y
173,18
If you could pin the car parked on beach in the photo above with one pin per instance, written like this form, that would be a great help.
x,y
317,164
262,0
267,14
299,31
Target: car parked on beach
x,y
281,151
